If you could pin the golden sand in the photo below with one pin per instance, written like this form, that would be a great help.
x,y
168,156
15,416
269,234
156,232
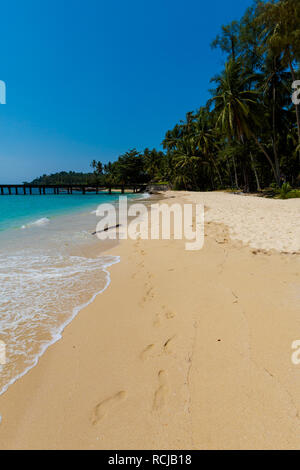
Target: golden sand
x,y
184,350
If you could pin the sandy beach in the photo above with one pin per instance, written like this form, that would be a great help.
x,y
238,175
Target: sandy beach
x,y
184,349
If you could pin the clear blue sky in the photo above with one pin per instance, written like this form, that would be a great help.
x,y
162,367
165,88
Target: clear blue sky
x,y
90,79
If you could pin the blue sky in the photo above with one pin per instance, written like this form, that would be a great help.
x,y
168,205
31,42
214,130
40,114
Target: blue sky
x,y
91,79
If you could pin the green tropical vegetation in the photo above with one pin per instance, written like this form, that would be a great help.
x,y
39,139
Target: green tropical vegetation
x,y
65,177
247,136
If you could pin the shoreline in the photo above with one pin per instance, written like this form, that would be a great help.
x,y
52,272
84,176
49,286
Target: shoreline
x,y
175,357
60,257
58,336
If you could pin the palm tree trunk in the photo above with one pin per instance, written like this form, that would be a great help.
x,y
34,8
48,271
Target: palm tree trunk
x,y
235,174
212,181
232,48
277,167
229,170
246,180
255,173
296,105
217,171
267,157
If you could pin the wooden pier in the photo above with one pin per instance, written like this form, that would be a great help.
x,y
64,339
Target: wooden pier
x,y
27,189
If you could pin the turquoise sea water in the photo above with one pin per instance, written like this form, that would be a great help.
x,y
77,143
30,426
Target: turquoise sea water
x,y
16,211
51,266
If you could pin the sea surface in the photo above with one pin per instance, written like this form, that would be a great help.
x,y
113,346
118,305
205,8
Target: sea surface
x,y
51,266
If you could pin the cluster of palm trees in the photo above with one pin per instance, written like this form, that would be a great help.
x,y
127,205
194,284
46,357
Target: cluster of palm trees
x,y
131,167
247,136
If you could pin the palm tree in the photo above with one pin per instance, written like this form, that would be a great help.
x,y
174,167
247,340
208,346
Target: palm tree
x,y
187,159
281,34
205,139
172,137
98,170
98,167
228,41
152,160
236,107
275,89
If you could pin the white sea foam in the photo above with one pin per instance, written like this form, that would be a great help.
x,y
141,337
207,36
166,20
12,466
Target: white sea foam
x,y
37,223
45,285
41,294
144,196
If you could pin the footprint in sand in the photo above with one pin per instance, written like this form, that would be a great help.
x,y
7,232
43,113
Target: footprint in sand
x,y
149,294
167,347
104,406
160,396
146,352
169,314
236,299
137,242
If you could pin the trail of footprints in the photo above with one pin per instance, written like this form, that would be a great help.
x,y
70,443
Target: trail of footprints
x,y
161,393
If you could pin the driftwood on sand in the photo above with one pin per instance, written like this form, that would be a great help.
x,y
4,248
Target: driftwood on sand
x,y
106,229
